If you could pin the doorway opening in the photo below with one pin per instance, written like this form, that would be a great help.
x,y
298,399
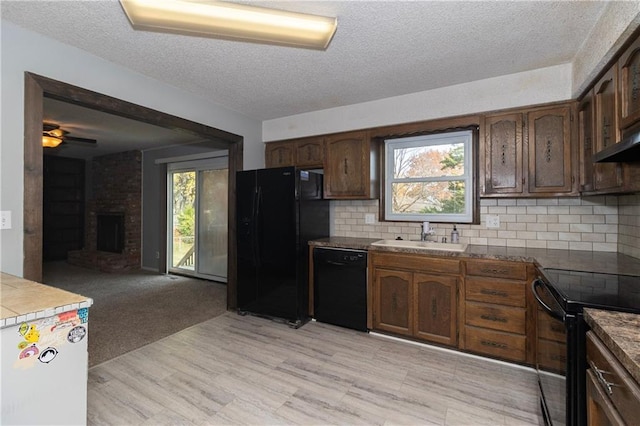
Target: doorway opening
x,y
36,89
198,218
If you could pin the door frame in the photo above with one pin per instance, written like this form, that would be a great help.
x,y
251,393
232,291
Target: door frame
x,y
36,89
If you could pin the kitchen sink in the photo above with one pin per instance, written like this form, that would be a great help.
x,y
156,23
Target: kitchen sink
x,y
421,245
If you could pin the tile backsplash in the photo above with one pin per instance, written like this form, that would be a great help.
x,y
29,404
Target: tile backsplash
x,y
602,223
629,225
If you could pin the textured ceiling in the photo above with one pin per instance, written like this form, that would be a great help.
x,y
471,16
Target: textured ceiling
x,y
381,49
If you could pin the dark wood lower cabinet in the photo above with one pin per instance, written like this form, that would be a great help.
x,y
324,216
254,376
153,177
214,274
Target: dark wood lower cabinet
x,y
413,303
393,310
436,308
477,305
613,396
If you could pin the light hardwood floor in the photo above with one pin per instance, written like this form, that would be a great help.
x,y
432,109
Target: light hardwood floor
x,y
252,371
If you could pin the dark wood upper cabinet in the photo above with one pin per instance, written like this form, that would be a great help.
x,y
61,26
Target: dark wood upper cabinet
x,y
607,176
310,152
350,166
629,71
529,152
550,151
279,154
501,155
585,142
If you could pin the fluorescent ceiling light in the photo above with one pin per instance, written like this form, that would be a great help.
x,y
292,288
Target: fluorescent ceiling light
x,y
233,21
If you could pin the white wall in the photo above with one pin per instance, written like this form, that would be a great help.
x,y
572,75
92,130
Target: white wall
x,y
527,88
615,26
22,50
557,83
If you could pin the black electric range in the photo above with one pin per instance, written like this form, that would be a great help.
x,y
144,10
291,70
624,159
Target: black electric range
x,y
576,290
561,334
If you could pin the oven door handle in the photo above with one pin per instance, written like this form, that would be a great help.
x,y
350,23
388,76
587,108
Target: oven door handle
x,y
557,315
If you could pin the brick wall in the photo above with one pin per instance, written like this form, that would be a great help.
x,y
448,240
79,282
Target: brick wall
x,y
589,223
117,188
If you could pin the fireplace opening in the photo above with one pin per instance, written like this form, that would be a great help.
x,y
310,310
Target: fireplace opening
x,y
110,232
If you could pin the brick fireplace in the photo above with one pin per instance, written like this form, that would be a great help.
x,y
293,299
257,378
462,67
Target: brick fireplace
x,y
113,231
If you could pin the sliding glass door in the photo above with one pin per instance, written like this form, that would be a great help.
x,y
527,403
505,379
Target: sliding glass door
x,y
198,218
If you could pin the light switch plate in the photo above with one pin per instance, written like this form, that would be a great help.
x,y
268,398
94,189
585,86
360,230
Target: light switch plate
x,y
5,219
493,221
369,218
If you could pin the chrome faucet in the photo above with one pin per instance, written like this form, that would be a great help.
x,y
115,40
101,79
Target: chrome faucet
x,y
426,231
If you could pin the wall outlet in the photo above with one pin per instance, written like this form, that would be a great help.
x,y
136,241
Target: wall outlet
x,y
157,255
369,218
5,219
493,221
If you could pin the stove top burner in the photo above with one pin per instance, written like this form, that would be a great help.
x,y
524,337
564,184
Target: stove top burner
x,y
578,289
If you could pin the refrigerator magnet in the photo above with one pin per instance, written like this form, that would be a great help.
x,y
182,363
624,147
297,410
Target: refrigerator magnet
x,y
76,334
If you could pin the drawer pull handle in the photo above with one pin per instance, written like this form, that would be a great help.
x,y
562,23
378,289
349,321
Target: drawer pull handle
x,y
494,292
493,318
557,328
600,375
495,271
560,358
493,344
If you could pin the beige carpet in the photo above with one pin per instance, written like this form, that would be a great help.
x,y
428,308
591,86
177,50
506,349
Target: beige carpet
x,y
133,309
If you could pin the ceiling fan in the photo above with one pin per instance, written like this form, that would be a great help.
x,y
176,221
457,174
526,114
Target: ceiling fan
x,y
53,135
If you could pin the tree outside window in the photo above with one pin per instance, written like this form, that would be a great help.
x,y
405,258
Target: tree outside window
x,y
430,178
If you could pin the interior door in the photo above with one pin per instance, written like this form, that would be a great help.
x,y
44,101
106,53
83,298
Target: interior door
x,y
198,222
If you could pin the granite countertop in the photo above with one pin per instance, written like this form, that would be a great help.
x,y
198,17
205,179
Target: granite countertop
x,y
24,300
620,332
601,262
345,242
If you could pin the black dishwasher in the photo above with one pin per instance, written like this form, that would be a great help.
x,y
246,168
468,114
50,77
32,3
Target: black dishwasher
x,y
340,287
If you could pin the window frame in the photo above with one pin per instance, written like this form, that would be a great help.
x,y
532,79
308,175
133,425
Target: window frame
x,y
469,137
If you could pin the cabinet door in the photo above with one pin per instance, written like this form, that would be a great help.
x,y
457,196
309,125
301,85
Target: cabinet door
x,y
607,175
279,154
346,173
310,152
600,409
586,142
549,137
436,308
629,71
393,293
502,151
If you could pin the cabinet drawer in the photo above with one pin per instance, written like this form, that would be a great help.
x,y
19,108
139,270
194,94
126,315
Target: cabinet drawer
x,y
495,343
487,290
552,356
496,317
497,269
416,263
550,329
613,379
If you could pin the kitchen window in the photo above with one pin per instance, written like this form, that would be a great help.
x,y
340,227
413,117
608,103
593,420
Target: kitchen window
x,y
430,178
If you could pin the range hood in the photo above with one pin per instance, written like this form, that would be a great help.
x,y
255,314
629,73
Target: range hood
x,y
627,150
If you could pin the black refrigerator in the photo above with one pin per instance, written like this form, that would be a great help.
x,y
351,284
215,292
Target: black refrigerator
x,y
278,211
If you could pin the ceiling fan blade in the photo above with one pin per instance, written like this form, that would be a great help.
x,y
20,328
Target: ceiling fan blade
x,y
76,139
47,127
